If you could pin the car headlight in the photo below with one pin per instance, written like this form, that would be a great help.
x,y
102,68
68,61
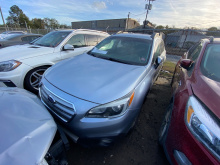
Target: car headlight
x,y
6,66
203,125
112,109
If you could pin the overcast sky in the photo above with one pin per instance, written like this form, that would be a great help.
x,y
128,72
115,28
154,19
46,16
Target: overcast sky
x,y
180,13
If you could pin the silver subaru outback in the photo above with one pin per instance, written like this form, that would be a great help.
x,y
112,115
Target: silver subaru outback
x,y
97,96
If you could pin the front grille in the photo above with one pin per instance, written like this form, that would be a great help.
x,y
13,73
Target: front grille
x,y
60,107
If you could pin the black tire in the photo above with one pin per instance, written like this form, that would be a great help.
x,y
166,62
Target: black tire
x,y
165,125
33,77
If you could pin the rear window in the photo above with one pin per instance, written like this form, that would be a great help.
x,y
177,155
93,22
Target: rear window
x,y
210,65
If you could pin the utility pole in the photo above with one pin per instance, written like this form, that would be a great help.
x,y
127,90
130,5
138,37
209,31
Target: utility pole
x,y
148,7
3,19
127,21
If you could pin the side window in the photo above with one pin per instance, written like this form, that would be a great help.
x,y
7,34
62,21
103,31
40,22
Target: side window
x,y
33,38
193,55
77,41
92,40
24,39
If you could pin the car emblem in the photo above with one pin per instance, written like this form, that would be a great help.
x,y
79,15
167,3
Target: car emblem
x,y
51,99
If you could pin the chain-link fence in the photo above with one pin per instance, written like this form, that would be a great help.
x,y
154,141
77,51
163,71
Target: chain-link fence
x,y
36,31
178,41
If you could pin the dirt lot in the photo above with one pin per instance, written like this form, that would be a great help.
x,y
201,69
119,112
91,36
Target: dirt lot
x,y
141,146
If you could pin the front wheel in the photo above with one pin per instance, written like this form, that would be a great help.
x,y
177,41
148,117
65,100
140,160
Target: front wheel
x,y
33,78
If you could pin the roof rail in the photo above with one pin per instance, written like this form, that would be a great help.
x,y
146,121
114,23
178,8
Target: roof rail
x,y
160,34
211,39
90,30
83,30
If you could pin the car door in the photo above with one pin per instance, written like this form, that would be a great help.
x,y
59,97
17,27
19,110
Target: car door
x,y
158,52
80,47
181,74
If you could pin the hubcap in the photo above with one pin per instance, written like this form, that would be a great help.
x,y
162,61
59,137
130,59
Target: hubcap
x,y
36,77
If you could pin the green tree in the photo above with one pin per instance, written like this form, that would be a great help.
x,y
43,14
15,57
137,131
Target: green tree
x,y
37,23
51,23
167,27
160,27
17,18
213,31
65,26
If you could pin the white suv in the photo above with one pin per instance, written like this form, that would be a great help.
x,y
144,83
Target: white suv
x,y
24,65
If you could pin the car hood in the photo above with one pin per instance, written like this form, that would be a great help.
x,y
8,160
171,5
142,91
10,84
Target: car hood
x,y
208,91
19,52
94,79
27,133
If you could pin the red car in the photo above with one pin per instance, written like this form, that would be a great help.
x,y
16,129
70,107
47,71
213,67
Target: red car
x,y
190,133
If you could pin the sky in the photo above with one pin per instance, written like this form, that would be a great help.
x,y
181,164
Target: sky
x,y
178,13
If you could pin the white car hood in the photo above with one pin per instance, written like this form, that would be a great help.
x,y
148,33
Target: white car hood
x,y
19,52
27,128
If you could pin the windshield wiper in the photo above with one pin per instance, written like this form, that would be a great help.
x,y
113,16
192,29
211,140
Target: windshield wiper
x,y
116,60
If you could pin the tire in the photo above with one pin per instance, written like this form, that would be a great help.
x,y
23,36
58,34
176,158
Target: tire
x,y
33,78
165,126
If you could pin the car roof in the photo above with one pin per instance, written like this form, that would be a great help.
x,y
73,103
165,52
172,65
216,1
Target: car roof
x,y
134,35
215,40
30,34
86,30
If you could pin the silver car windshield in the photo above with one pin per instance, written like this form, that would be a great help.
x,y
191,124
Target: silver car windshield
x,y
52,39
135,51
210,63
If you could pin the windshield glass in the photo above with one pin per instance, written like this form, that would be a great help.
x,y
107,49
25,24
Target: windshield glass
x,y
210,63
127,50
52,39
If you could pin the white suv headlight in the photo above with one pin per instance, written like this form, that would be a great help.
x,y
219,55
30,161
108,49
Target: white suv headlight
x,y
113,109
6,66
203,125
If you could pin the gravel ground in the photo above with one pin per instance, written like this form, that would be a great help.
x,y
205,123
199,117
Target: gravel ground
x,y
141,146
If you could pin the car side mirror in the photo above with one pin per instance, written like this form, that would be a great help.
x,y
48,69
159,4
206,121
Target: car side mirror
x,y
68,47
158,60
186,63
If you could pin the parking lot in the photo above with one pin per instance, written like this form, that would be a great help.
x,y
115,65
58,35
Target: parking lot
x,y
139,147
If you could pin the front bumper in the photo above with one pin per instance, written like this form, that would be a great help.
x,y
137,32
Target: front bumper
x,y
79,127
14,78
180,146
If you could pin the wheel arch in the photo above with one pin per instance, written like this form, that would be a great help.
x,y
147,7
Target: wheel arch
x,y
38,66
